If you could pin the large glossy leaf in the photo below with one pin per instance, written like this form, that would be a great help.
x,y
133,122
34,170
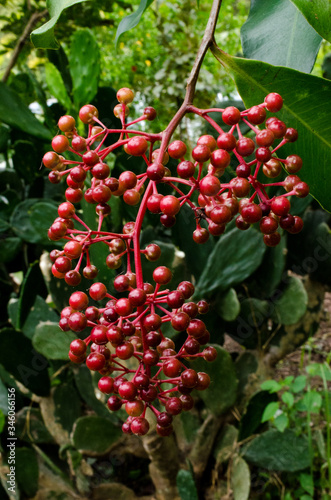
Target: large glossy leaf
x,y
14,112
240,479
277,33
307,107
33,285
51,341
132,20
292,304
84,66
318,14
43,37
282,451
27,470
235,256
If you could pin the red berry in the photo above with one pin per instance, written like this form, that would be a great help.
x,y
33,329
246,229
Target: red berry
x,y
170,205
209,185
177,149
231,115
87,113
274,102
137,146
162,275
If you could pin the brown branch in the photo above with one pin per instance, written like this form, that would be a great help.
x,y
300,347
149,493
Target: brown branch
x,y
35,17
207,41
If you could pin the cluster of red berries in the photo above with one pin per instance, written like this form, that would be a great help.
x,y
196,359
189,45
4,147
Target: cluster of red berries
x,y
131,326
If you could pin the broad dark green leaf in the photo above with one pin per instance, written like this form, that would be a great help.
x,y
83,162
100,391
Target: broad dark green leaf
x,y
94,435
15,113
277,33
235,256
186,485
19,358
280,451
84,66
38,313
85,387
292,304
318,14
51,341
225,443
33,285
222,392
43,37
9,248
227,305
27,470
251,419
3,398
56,85
4,226
132,20
26,160
67,405
307,107
31,220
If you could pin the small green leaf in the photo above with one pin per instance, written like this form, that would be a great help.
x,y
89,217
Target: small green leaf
x,y
27,471
228,305
288,399
298,384
277,33
320,370
43,37
240,479
270,411
235,256
51,341
56,85
94,435
281,422
132,20
282,451
318,14
307,483
186,486
271,386
312,401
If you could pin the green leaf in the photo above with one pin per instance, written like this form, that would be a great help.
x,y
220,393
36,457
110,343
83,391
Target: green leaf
x,y
3,398
280,451
222,392
281,422
31,219
271,386
15,113
226,444
67,405
277,33
84,59
9,248
307,107
38,312
298,384
271,271
51,341
26,159
318,14
4,226
288,399
20,359
235,256
2,421
240,479
320,370
43,37
228,305
56,85
312,401
186,485
30,426
33,285
292,304
270,411
94,435
27,471
85,387
132,20
307,483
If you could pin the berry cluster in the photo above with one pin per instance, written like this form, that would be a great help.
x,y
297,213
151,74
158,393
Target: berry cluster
x,y
130,326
